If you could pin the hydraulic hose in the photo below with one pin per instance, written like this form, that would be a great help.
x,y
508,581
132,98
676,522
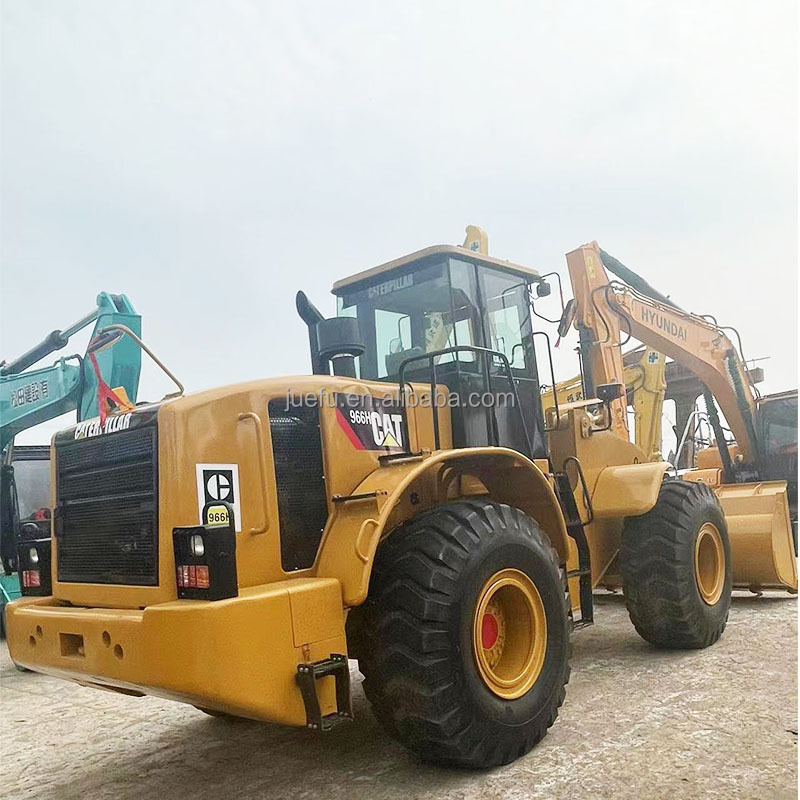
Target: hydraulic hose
x,y
744,406
633,280
716,426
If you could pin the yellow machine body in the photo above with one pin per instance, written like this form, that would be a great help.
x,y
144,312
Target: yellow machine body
x,y
240,655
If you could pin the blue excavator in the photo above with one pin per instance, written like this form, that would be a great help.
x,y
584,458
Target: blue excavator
x,y
29,397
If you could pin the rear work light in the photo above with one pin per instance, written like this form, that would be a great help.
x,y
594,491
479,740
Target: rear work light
x,y
31,579
205,556
33,563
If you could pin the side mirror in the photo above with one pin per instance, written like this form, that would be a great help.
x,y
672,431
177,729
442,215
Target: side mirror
x,y
104,340
608,392
567,318
543,289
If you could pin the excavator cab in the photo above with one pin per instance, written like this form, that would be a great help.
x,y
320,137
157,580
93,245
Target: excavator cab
x,y
777,415
477,308
778,419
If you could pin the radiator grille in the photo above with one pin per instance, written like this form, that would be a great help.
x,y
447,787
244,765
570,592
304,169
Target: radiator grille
x,y
300,483
107,509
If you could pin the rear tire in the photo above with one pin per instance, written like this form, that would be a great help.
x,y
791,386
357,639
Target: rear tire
x,y
421,643
675,565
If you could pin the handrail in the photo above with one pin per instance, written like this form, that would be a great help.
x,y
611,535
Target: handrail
x,y
552,378
696,414
484,353
98,343
262,467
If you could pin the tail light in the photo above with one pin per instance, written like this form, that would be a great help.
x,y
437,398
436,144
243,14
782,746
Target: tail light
x,y
205,557
33,563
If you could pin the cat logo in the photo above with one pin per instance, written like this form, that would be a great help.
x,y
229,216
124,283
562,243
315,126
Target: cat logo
x,y
371,423
387,429
218,491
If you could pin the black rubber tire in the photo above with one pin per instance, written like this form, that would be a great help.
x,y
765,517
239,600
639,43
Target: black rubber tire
x,y
656,561
415,634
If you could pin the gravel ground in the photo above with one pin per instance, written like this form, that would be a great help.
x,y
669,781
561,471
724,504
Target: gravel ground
x,y
637,723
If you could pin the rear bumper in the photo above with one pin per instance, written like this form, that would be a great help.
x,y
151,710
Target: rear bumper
x,y
238,655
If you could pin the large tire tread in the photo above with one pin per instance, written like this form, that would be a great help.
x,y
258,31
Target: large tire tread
x,y
406,656
657,563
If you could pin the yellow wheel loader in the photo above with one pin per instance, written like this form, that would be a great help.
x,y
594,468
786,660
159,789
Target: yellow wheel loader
x,y
408,504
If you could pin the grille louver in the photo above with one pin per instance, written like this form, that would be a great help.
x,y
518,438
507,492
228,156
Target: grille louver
x,y
107,508
300,483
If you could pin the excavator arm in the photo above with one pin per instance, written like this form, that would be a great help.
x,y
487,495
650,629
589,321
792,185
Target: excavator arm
x,y
606,311
30,397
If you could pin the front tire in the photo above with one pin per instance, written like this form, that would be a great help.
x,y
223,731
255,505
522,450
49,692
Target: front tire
x,y
464,638
675,564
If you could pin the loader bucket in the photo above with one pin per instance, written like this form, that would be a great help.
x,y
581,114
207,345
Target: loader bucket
x,y
760,531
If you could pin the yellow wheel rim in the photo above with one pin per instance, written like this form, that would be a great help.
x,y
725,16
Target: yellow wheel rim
x,y
509,633
709,563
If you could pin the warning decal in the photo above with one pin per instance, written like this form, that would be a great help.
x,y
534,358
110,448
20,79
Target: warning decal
x,y
219,483
371,423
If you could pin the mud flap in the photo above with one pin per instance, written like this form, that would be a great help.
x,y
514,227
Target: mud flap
x,y
760,532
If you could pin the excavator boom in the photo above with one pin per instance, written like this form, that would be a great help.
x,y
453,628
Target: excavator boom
x,y
604,307
607,313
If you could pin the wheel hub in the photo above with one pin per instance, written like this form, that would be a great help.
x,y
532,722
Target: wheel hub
x,y
709,564
490,631
509,633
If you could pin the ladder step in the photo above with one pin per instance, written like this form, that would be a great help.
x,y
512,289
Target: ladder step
x,y
308,674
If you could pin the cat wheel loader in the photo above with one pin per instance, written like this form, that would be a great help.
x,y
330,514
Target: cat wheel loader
x,y
408,504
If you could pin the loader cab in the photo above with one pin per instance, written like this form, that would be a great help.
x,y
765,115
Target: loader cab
x,y
445,297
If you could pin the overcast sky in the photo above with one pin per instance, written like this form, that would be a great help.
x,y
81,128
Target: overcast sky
x,y
208,159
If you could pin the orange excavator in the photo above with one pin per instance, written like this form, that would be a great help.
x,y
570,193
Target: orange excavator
x,y
755,478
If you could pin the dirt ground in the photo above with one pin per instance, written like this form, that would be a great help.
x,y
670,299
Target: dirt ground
x,y
636,723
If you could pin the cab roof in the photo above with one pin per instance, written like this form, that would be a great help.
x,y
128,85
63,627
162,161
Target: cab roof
x,y
427,255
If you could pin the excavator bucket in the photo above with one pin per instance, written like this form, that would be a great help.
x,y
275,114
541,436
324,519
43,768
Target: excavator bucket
x,y
760,532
